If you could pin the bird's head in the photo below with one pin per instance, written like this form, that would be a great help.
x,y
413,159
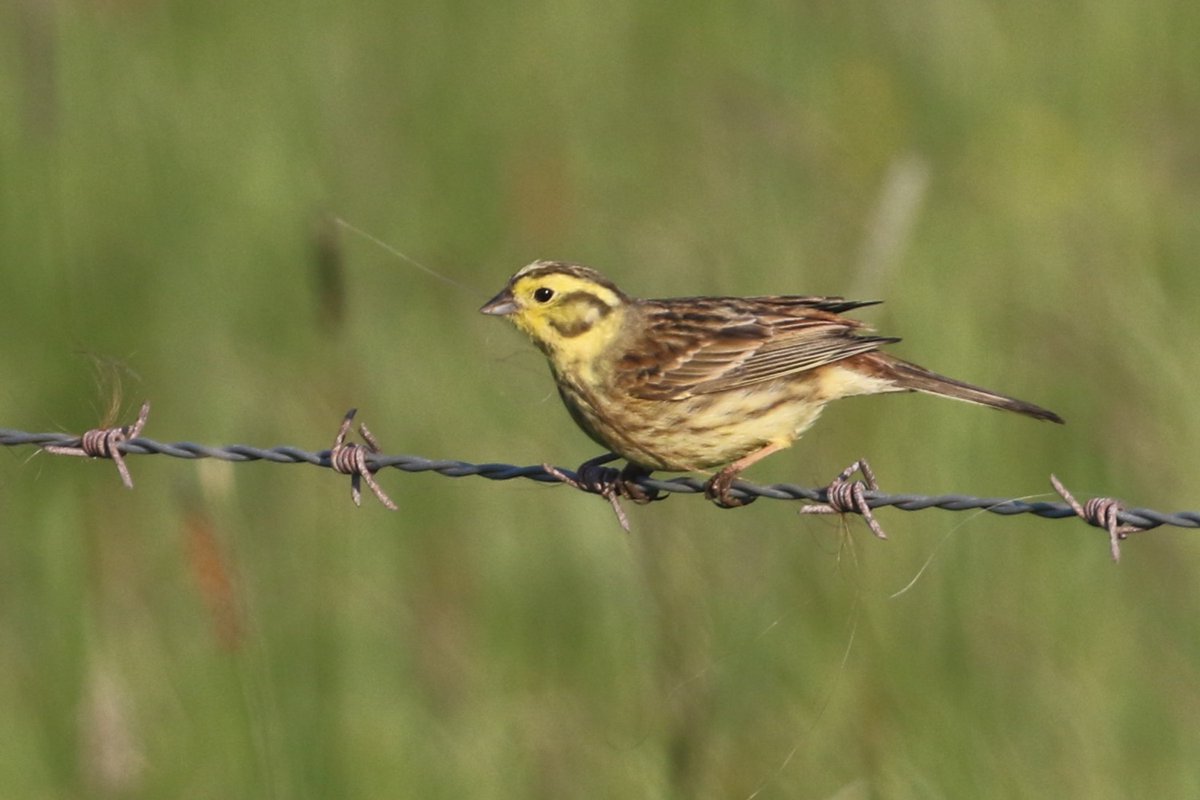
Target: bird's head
x,y
571,312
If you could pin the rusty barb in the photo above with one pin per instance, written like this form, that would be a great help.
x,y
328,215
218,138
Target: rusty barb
x,y
363,461
1103,512
350,458
844,496
105,443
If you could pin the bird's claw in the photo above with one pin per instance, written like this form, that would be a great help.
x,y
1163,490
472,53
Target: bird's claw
x,y
608,482
719,489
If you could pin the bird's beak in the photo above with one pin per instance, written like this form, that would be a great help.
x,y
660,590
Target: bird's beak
x,y
501,305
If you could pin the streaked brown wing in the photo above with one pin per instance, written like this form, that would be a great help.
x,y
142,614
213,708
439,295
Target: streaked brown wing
x,y
702,345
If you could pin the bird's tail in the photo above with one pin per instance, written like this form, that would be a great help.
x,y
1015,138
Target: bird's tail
x,y
910,377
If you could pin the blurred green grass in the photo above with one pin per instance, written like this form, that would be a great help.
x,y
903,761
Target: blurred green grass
x,y
167,173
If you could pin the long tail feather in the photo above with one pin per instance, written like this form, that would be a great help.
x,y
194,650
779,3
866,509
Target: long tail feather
x,y
910,377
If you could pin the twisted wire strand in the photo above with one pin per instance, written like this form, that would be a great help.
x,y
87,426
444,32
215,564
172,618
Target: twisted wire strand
x,y
1143,518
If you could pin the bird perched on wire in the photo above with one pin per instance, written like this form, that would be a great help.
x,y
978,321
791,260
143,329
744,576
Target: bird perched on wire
x,y
691,383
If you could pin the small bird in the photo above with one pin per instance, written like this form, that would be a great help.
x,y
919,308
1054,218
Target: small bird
x,y
690,383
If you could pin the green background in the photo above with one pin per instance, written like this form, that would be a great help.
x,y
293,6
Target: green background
x,y
1019,180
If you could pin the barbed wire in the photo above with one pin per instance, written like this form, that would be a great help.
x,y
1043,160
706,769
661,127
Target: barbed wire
x,y
361,461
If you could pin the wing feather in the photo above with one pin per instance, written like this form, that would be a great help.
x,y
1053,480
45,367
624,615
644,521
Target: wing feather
x,y
703,345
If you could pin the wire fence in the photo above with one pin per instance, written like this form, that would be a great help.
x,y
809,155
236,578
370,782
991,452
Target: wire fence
x,y
362,461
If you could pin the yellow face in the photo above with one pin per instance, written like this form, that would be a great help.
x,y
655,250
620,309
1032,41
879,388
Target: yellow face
x,y
570,312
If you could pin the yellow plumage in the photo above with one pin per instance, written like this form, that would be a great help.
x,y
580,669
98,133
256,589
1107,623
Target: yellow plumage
x,y
691,383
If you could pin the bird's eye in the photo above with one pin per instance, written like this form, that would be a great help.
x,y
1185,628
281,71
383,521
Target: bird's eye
x,y
543,294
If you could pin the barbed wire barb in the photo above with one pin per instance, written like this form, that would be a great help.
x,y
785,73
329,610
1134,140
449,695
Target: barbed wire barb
x,y
844,496
367,460
105,442
1103,512
350,458
610,483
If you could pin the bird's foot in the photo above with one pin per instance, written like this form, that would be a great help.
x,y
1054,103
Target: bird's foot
x,y
719,489
609,482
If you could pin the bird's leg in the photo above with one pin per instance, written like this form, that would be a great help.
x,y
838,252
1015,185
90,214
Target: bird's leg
x,y
719,486
608,482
